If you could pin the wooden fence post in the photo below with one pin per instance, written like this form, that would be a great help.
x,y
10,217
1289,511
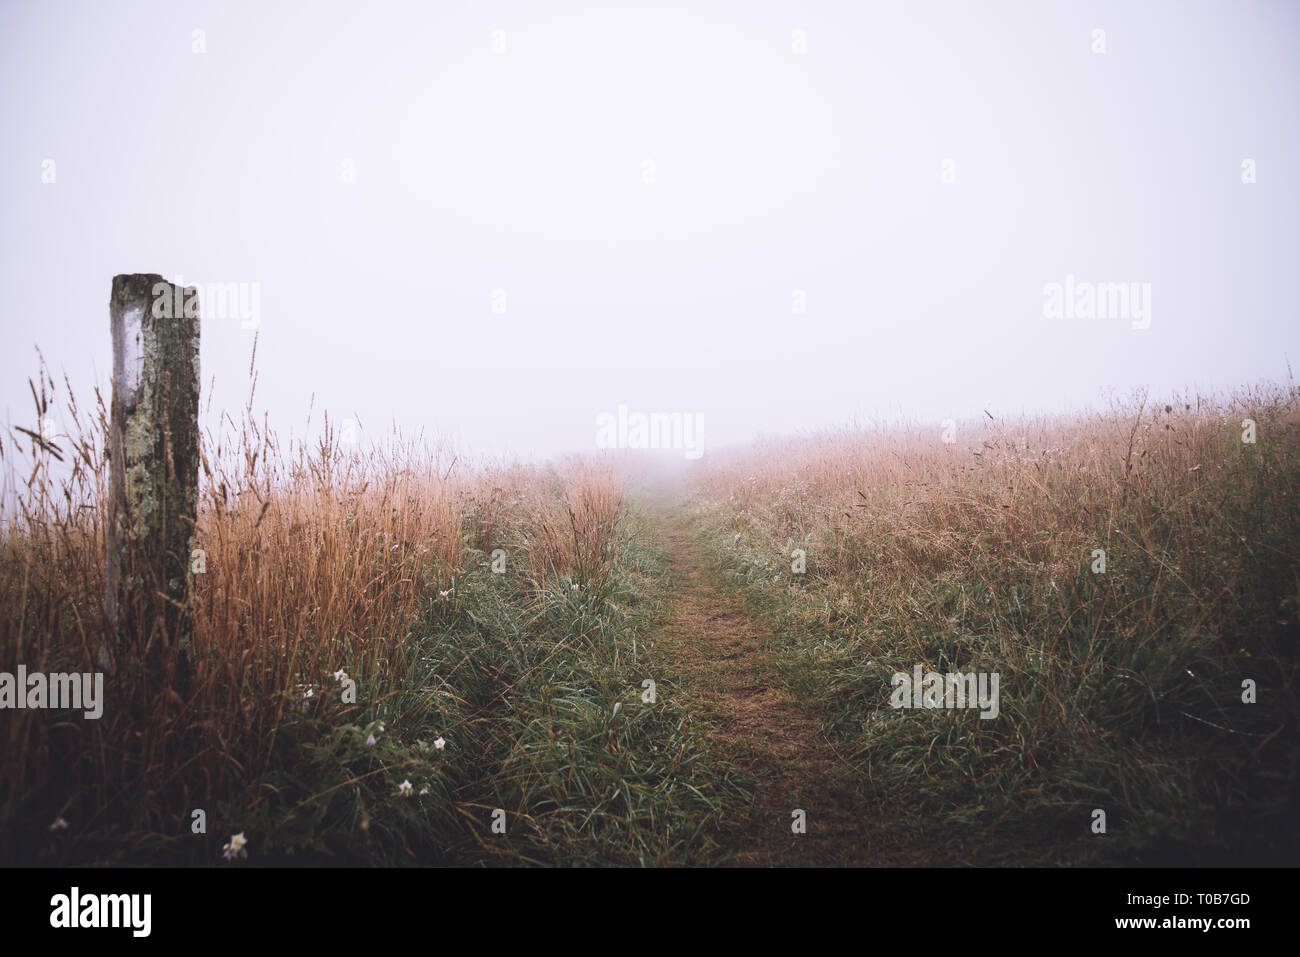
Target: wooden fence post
x,y
153,447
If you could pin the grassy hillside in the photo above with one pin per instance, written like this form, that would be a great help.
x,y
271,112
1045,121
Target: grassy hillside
x,y
1120,689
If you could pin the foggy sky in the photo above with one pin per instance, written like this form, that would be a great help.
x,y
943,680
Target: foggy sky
x,y
595,208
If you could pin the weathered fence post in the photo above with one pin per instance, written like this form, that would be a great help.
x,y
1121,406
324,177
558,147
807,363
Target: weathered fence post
x,y
153,447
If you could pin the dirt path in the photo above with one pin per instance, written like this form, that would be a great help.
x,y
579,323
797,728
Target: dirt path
x,y
726,660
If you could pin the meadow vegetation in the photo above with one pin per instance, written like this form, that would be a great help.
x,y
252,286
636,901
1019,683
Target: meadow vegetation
x,y
389,648
518,689
1121,689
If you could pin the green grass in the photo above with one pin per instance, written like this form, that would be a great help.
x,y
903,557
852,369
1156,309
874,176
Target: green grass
x,y
537,696
1120,691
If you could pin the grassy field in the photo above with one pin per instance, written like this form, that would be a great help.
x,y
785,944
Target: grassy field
x,y
477,690
1120,689
400,659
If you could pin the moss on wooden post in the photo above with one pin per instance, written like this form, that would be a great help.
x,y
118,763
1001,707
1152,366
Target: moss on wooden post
x,y
154,465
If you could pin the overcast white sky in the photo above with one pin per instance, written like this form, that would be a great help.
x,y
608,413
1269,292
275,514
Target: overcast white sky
x,y
523,169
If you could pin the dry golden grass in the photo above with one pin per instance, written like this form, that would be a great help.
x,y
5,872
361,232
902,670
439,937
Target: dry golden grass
x,y
1041,493
313,559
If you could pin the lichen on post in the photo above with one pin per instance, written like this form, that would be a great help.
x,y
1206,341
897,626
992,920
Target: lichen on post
x,y
153,447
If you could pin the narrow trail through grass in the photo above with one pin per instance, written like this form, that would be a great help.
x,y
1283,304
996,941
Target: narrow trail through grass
x,y
725,657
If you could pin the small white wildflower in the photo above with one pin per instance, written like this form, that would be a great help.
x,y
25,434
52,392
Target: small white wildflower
x,y
370,741
340,675
442,595
307,694
235,847
423,791
575,586
440,744
404,789
59,824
